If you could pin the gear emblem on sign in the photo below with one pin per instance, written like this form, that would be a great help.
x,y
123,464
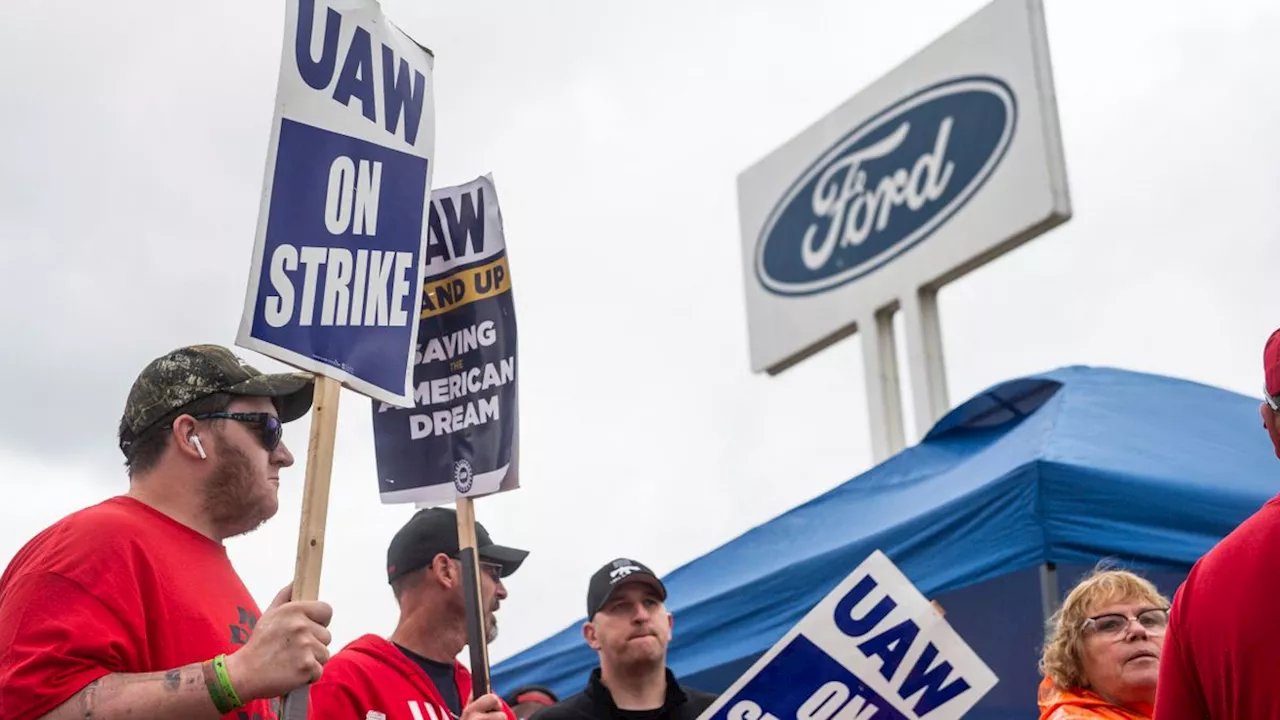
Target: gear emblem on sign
x,y
462,476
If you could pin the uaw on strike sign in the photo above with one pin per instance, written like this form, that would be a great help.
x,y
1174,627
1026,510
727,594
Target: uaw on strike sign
x,y
460,438
873,648
335,282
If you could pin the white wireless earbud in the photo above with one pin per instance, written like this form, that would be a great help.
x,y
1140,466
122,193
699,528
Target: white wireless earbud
x,y
195,440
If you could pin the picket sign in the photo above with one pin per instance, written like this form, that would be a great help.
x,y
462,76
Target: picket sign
x,y
335,282
874,647
460,438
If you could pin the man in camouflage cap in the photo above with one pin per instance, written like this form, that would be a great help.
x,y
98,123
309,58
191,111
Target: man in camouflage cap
x,y
194,373
131,608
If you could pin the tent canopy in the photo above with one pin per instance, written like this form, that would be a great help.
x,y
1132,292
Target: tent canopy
x,y
1066,467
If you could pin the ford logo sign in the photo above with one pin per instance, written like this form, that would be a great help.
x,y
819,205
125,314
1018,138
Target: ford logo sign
x,y
886,186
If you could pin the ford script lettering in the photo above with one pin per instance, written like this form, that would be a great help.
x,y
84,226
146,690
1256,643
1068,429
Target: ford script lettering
x,y
886,186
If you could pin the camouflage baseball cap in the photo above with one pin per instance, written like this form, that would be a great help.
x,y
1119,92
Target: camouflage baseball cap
x,y
188,374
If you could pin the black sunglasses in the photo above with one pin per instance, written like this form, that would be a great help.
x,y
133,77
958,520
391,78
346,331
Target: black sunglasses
x,y
270,429
492,569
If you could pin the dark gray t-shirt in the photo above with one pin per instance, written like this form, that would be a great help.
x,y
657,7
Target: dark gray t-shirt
x,y
441,675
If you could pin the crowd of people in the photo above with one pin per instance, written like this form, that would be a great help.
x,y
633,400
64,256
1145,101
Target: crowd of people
x,y
131,608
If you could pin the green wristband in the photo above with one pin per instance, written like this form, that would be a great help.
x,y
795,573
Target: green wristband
x,y
224,682
220,700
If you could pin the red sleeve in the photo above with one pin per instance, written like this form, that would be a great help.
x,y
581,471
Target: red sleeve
x,y
1178,691
345,690
55,638
334,700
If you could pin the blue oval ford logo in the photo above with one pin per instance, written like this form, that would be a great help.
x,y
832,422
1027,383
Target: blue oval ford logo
x,y
886,186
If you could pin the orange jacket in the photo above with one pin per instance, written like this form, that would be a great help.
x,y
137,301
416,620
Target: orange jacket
x,y
1059,704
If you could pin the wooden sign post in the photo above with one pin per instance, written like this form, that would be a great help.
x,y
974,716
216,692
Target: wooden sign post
x,y
315,490
315,513
477,632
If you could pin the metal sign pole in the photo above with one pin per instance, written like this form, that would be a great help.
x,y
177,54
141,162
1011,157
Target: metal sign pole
x,y
884,390
925,364
924,358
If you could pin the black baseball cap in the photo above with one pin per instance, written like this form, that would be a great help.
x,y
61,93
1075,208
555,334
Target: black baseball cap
x,y
435,530
616,573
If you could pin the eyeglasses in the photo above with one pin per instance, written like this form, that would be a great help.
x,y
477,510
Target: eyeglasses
x,y
1113,625
493,570
270,430
1272,400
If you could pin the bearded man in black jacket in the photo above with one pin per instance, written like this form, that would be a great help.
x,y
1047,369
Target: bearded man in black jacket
x,y
629,628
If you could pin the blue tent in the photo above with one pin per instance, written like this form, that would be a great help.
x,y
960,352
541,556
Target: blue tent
x,y
1031,481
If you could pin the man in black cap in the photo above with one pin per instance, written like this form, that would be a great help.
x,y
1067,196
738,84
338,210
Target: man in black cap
x,y
414,674
629,628
131,608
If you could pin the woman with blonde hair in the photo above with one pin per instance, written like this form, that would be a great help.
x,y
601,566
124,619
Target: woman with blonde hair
x,y
1102,648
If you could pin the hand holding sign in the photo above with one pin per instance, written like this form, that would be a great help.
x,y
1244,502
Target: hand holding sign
x,y
485,707
874,647
288,649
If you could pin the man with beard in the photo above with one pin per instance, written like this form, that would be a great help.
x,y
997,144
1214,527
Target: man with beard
x,y
130,608
414,674
629,628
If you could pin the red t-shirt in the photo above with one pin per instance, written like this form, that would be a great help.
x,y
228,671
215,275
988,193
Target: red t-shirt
x,y
116,588
370,676
1220,659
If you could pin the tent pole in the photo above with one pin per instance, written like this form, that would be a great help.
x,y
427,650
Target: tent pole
x,y
1049,593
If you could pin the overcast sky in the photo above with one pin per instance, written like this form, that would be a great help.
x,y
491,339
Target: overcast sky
x,y
134,137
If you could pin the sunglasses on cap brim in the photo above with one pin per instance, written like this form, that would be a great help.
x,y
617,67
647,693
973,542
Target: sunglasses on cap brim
x,y
270,429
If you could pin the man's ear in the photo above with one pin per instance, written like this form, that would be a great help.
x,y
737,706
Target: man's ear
x,y
1269,421
182,432
443,571
589,634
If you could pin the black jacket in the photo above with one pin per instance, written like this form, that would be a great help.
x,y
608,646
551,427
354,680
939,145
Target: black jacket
x,y
595,702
